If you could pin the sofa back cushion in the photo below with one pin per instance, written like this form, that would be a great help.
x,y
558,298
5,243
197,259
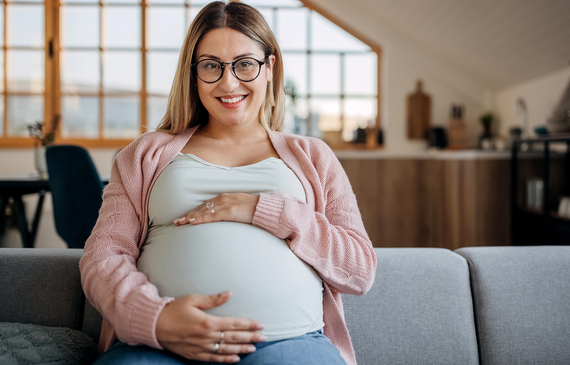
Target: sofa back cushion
x,y
419,310
522,303
40,286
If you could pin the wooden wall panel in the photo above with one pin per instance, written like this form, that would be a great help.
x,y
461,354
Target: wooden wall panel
x,y
432,203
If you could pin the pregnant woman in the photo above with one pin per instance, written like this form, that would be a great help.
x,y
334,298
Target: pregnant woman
x,y
221,239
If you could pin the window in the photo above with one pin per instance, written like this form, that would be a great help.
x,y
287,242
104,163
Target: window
x,y
332,73
107,67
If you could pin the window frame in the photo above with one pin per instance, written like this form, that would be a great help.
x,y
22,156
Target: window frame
x,y
52,84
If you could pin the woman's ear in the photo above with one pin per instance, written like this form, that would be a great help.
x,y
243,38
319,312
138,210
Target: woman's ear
x,y
270,63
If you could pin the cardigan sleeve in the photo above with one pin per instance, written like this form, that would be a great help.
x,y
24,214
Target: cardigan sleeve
x,y
332,240
109,274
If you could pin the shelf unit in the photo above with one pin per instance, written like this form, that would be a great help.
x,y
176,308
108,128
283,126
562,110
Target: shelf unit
x,y
544,226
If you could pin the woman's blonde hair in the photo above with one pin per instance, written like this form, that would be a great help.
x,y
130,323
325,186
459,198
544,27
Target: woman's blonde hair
x,y
184,108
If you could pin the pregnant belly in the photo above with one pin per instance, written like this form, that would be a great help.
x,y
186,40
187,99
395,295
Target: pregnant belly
x,y
268,282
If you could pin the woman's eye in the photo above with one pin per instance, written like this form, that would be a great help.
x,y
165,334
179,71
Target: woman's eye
x,y
245,64
211,65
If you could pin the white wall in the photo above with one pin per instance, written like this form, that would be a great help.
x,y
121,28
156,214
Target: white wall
x,y
404,62
20,162
541,96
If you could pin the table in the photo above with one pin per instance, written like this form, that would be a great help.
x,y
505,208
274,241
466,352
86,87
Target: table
x,y
14,187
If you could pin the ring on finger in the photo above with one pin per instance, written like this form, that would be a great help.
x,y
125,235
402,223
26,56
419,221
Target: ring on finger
x,y
222,337
210,205
216,347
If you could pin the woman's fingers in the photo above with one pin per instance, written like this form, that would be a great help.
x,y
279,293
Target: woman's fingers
x,y
232,207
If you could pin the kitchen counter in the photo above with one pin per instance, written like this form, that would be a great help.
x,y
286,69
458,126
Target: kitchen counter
x,y
424,155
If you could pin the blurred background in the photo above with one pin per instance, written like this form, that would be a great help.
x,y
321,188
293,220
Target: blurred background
x,y
373,78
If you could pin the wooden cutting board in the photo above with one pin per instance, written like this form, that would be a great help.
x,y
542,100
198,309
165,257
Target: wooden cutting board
x,y
418,113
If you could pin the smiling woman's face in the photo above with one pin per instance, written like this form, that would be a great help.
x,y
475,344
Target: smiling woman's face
x,y
229,101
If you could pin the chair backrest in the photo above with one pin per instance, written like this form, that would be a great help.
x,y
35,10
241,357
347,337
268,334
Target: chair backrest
x,y
77,193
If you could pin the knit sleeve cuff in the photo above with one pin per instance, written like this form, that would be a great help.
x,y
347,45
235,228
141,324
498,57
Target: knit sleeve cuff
x,y
143,320
268,212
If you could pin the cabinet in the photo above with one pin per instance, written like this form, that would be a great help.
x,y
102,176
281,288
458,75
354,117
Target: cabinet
x,y
548,159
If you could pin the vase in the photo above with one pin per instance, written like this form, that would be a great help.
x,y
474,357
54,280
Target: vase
x,y
40,161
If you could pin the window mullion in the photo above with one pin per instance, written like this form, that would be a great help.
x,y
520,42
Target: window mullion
x,y
143,94
101,61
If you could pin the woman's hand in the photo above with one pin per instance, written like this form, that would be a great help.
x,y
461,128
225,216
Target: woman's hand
x,y
183,328
229,207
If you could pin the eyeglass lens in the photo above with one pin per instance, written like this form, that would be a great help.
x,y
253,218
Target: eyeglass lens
x,y
246,69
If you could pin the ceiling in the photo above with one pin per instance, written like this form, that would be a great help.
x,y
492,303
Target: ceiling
x,y
503,42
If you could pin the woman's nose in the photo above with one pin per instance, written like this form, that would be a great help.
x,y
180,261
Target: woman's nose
x,y
228,82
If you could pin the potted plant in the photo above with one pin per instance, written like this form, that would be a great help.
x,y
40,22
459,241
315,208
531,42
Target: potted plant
x,y
43,138
485,140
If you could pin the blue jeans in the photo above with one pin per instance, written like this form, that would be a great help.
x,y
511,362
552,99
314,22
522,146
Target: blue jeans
x,y
312,348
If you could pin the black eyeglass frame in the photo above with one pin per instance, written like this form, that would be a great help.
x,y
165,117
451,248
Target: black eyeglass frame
x,y
233,64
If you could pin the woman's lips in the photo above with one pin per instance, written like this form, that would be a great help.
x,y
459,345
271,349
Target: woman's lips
x,y
233,102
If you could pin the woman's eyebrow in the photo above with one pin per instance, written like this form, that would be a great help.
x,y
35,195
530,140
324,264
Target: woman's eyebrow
x,y
218,58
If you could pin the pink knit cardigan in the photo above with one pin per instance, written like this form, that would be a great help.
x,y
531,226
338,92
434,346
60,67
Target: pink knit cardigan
x,y
326,232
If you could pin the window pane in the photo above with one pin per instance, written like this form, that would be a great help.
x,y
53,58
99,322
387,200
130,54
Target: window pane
x,y
156,107
122,27
295,67
1,70
165,27
268,15
161,69
1,24
121,118
327,113
165,1
358,113
24,110
80,117
193,11
295,117
80,26
2,115
121,71
325,35
26,25
360,76
26,71
325,74
292,28
79,71
123,1
273,2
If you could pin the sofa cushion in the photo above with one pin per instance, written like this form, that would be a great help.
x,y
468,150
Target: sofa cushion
x,y
40,286
419,310
26,344
522,303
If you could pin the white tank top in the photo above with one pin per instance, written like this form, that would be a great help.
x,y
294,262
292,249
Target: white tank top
x,y
268,282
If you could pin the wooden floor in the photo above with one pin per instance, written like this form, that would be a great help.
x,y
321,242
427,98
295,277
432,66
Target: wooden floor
x,y
433,203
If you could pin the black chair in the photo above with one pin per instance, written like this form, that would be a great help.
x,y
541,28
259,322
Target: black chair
x,y
77,193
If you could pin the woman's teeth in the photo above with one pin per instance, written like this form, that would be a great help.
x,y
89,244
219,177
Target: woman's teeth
x,y
233,100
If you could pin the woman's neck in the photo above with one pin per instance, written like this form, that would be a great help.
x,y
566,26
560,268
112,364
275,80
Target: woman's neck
x,y
234,135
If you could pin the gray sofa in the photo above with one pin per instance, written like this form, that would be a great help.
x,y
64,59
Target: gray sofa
x,y
481,305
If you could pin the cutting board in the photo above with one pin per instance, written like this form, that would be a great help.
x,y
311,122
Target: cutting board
x,y
418,113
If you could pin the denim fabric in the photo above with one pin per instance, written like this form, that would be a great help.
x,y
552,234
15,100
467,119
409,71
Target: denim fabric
x,y
313,348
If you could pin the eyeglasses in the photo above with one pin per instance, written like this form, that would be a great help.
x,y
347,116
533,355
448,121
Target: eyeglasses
x,y
244,69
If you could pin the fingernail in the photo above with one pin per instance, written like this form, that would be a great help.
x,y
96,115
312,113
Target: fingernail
x,y
176,220
251,349
262,338
235,359
191,219
260,326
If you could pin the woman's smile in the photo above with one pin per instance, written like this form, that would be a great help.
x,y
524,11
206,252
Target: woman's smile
x,y
232,102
